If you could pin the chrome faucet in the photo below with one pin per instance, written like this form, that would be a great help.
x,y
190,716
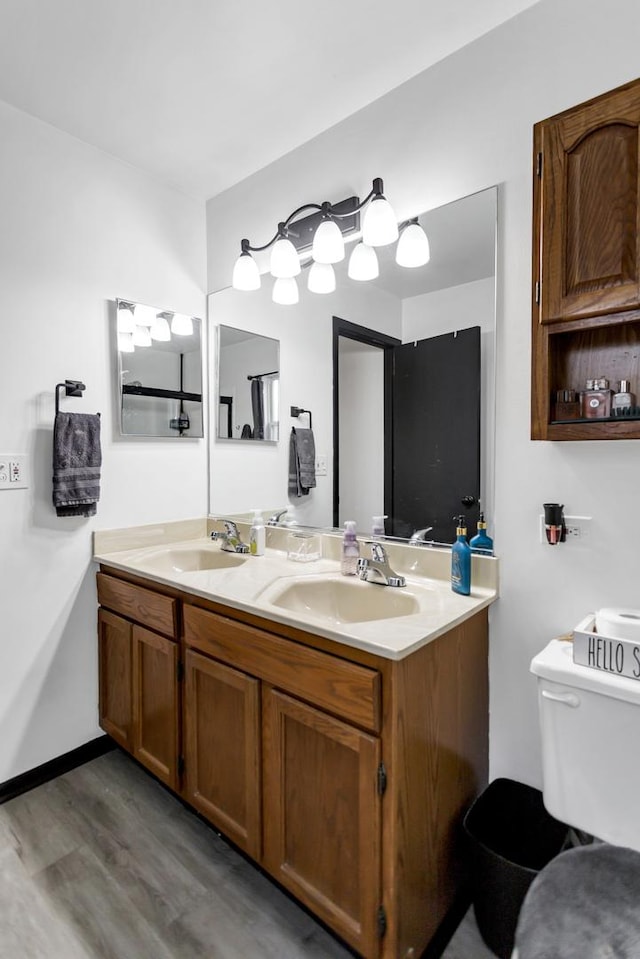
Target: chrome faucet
x,y
275,519
231,541
377,569
420,535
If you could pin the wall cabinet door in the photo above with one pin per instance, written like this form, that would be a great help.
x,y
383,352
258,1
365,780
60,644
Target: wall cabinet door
x,y
115,696
155,703
222,739
322,815
589,208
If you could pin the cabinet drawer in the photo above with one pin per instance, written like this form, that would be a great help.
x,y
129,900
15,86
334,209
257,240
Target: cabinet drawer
x,y
135,602
346,689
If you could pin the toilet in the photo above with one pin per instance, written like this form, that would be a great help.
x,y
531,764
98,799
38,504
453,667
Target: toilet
x,y
590,731
584,904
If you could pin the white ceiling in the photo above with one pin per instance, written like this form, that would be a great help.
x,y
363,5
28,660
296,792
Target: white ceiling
x,y
202,93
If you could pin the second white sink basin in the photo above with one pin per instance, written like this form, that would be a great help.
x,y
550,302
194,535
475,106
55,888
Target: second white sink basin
x,y
190,558
340,599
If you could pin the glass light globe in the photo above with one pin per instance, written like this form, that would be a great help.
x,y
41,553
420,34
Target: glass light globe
x,y
285,291
328,244
413,247
379,226
322,278
284,259
144,315
141,336
160,330
246,275
363,263
125,343
182,325
126,322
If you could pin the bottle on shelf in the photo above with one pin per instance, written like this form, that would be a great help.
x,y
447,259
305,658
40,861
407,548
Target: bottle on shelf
x,y
595,400
624,399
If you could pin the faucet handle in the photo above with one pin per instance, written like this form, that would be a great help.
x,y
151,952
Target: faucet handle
x,y
378,552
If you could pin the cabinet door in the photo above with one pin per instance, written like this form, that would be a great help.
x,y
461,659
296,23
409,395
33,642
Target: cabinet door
x,y
590,208
155,704
114,658
222,739
322,815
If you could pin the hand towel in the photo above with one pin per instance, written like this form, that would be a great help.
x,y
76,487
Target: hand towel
x,y
77,458
302,462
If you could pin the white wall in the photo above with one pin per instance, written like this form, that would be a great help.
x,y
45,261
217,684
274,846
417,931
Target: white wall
x,y
458,308
78,229
459,127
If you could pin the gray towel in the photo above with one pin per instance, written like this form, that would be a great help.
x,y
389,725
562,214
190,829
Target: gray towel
x,y
76,463
302,462
583,905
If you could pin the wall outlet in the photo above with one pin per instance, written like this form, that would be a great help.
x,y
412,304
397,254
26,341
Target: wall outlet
x,y
578,528
321,464
13,472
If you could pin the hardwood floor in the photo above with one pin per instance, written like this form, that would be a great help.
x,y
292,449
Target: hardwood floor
x,y
103,863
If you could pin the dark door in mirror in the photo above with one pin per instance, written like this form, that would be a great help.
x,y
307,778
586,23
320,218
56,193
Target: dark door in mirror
x,y
436,435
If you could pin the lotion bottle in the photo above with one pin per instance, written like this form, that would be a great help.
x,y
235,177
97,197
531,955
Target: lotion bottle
x,y
461,561
350,550
257,535
482,543
377,525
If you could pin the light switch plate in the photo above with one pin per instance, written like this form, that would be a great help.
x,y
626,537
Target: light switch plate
x,y
13,471
321,464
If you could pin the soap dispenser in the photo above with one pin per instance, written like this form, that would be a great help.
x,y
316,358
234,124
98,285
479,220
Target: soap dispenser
x,y
461,560
481,543
257,535
377,525
350,550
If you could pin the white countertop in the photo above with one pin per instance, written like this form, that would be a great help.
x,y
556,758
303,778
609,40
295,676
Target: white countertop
x,y
252,586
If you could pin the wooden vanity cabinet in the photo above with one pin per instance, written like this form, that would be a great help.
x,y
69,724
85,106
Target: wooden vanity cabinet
x,y
345,775
138,675
586,259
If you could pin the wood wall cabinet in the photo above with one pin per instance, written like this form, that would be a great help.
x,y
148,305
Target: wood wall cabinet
x,y
138,699
586,260
343,774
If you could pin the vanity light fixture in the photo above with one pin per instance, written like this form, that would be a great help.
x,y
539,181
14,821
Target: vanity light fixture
x,y
413,245
379,228
363,263
160,330
125,342
144,315
126,318
141,336
182,325
285,291
322,278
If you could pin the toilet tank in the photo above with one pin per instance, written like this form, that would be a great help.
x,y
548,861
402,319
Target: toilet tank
x,y
590,729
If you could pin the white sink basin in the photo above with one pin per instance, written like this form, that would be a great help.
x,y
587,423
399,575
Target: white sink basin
x,y
190,558
339,599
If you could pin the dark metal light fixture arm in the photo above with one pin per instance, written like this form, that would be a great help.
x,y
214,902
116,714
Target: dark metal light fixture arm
x,y
326,208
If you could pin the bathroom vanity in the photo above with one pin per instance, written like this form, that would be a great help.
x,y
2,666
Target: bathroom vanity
x,y
339,753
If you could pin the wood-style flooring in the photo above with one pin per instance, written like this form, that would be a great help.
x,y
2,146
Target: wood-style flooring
x,y
103,863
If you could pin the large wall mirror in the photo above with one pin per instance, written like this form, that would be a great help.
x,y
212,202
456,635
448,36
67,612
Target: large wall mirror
x,y
332,362
247,385
159,371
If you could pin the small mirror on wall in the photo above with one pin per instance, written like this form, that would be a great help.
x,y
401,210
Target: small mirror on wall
x,y
159,371
248,385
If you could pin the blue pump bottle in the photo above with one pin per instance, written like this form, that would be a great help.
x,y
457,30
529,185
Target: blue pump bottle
x,y
461,561
481,543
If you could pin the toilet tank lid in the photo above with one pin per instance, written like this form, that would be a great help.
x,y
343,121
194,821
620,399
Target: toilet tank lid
x,y
555,663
